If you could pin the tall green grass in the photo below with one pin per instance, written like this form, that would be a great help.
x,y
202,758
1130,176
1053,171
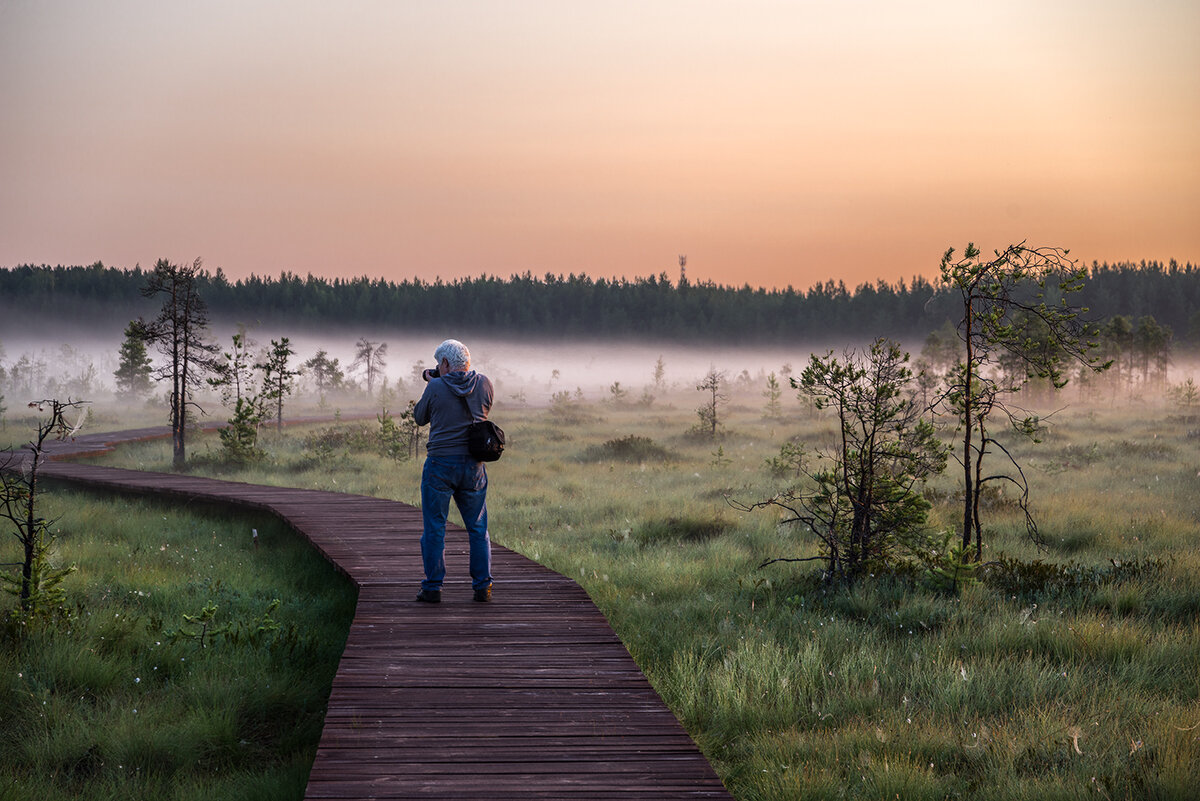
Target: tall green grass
x,y
106,703
1078,676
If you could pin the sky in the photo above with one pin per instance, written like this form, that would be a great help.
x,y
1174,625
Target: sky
x,y
773,142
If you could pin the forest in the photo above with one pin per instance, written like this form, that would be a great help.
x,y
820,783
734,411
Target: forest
x,y
580,307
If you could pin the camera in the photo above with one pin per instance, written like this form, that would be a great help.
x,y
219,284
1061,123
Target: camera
x,y
430,373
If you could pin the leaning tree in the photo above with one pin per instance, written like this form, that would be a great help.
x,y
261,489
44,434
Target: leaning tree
x,y
1016,315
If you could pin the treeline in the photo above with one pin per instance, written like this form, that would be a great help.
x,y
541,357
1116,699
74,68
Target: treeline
x,y
578,306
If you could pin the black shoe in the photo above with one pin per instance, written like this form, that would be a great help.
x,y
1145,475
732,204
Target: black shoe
x,y
484,594
430,596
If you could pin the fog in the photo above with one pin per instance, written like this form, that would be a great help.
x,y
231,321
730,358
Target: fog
x,y
67,359
64,355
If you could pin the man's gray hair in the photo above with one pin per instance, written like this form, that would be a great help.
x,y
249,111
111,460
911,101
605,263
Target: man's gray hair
x,y
454,352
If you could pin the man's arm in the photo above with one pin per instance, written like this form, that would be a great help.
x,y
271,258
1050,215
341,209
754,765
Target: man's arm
x,y
421,412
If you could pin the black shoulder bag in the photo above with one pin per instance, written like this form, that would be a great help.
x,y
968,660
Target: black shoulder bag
x,y
485,439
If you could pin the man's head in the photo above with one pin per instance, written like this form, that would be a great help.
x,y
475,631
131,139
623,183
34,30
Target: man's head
x,y
455,353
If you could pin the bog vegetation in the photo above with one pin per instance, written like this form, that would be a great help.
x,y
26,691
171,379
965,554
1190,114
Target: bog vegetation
x,y
1067,671
184,661
784,553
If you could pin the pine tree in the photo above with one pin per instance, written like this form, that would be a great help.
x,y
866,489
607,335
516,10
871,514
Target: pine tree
x,y
861,497
1001,299
369,356
326,372
180,332
236,382
713,385
37,588
133,366
773,393
278,379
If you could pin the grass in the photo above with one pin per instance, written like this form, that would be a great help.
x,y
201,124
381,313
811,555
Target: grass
x,y
1077,676
107,703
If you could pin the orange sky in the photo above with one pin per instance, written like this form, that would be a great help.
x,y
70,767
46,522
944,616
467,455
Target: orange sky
x,y
775,143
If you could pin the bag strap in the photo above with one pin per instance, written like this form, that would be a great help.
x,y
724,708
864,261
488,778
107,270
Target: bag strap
x,y
467,406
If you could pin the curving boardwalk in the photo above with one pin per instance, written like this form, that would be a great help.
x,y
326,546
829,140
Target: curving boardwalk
x,y
529,697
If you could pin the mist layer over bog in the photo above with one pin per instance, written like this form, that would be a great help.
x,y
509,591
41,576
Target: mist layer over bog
x,y
537,369
64,359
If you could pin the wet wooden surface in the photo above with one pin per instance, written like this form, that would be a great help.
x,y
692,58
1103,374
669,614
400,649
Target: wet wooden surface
x,y
531,696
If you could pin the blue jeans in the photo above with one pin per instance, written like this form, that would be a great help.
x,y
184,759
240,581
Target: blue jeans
x,y
465,480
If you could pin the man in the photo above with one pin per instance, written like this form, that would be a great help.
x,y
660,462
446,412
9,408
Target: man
x,y
455,396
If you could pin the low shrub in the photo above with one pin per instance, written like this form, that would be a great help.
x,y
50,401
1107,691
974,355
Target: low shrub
x,y
1028,580
682,529
628,449
350,437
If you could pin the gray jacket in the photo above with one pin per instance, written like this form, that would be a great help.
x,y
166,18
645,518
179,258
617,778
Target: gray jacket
x,y
442,408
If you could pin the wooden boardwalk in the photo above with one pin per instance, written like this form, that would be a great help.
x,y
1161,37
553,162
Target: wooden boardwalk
x,y
531,696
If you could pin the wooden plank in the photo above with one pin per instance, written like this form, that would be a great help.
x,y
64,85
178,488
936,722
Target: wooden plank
x,y
531,696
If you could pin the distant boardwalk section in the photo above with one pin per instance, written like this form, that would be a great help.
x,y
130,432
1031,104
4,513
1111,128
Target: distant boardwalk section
x,y
531,696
